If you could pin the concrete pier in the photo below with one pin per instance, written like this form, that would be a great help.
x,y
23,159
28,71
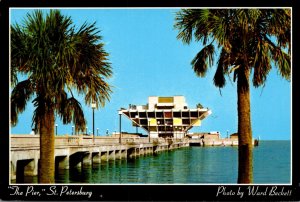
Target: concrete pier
x,y
112,155
82,151
104,156
62,162
87,159
96,158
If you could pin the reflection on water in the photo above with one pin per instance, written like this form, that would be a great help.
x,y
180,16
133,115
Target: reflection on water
x,y
185,166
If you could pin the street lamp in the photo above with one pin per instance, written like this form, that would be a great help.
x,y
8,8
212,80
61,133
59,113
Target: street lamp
x,y
227,134
93,107
72,130
106,132
97,131
56,129
149,130
158,122
120,125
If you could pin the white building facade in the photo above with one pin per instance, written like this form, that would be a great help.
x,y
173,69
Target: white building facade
x,y
165,116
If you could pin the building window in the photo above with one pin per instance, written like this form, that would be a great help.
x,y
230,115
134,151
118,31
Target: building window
x,y
165,99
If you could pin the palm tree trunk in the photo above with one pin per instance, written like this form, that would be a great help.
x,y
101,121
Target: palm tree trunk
x,y
245,168
47,140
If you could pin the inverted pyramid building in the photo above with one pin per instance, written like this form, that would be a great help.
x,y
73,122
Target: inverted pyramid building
x,y
165,116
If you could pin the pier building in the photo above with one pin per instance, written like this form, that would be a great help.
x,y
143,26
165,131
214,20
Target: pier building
x,y
165,116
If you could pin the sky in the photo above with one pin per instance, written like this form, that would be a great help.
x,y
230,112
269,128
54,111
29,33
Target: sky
x,y
148,60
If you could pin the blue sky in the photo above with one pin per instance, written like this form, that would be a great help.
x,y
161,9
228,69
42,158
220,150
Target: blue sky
x,y
148,60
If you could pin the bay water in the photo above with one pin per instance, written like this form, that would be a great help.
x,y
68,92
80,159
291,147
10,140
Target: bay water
x,y
192,165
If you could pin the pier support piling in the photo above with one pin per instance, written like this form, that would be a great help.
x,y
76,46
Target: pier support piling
x,y
87,159
62,162
96,157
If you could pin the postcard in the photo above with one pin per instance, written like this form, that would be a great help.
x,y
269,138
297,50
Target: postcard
x,y
149,103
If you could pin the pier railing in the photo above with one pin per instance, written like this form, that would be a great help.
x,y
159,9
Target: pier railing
x,y
69,140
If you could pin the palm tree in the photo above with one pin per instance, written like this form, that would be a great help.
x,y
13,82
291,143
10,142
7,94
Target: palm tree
x,y
248,41
56,58
199,105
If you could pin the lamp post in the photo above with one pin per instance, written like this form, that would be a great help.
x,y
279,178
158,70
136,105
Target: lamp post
x,y
72,130
227,134
56,129
149,130
120,125
106,132
158,122
93,107
97,131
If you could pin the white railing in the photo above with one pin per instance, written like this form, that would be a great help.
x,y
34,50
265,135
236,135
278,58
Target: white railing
x,y
69,140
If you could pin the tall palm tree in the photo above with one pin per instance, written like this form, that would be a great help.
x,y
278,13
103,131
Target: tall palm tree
x,y
248,41
56,58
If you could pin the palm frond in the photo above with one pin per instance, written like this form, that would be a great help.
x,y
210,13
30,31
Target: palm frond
x,y
283,63
222,68
219,79
19,98
186,21
261,64
71,111
14,77
220,28
203,59
92,67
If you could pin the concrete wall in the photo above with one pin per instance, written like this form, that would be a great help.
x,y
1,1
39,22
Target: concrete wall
x,y
152,101
179,102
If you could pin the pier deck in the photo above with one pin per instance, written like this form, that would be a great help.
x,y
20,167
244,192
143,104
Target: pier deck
x,y
77,151
81,150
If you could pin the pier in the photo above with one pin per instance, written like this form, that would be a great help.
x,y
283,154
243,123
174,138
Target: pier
x,y
82,150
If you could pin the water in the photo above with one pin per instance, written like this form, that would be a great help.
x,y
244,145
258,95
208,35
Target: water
x,y
193,165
